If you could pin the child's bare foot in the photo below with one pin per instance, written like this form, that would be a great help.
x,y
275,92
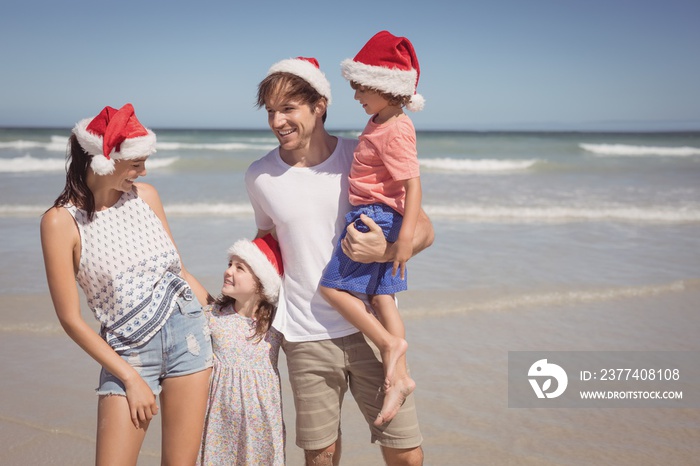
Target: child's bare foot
x,y
390,356
394,398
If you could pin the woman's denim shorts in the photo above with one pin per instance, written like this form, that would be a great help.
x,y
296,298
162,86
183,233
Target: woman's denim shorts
x,y
181,347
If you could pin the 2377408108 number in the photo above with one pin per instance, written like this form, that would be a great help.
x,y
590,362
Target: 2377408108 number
x,y
639,374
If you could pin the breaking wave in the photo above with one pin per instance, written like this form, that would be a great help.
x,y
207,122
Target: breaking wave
x,y
483,165
639,151
565,214
27,164
559,298
58,144
473,213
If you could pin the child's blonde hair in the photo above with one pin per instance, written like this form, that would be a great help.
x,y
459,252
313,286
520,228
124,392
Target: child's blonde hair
x,y
395,100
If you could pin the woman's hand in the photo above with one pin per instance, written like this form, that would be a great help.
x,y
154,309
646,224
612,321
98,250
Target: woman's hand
x,y
141,400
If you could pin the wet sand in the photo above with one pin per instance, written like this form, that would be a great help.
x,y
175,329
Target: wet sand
x,y
458,355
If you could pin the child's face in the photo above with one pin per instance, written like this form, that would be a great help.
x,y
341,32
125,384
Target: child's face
x,y
239,281
371,101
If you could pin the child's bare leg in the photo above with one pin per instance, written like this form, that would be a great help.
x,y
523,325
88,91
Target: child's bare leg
x,y
388,314
354,310
398,387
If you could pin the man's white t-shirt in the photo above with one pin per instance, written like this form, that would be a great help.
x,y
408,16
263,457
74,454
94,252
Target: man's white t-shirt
x,y
307,206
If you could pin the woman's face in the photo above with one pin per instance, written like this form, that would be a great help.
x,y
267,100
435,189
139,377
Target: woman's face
x,y
126,172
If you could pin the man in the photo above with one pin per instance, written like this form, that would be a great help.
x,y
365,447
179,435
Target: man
x,y
299,191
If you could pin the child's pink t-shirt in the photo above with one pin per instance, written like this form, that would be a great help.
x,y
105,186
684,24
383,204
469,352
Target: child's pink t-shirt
x,y
385,156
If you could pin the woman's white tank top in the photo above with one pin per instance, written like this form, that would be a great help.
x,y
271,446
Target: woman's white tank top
x,y
129,270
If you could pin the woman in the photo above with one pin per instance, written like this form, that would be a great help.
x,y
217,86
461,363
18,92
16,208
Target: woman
x,y
110,235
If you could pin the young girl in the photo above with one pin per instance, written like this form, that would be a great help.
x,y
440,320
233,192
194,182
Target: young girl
x,y
110,235
384,186
244,416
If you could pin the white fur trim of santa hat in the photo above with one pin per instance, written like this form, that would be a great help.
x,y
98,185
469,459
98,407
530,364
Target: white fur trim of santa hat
x,y
308,70
260,265
129,148
390,80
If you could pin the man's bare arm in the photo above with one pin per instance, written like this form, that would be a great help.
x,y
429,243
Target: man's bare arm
x,y
373,247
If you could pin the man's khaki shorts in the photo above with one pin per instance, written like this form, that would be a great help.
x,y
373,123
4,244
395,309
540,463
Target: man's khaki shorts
x,y
320,373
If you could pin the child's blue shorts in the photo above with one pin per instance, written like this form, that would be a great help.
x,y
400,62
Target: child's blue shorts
x,y
342,273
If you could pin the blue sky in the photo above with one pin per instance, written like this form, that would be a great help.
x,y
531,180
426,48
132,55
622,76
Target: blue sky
x,y
485,65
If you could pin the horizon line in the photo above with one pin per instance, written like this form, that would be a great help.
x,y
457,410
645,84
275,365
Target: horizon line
x,y
623,130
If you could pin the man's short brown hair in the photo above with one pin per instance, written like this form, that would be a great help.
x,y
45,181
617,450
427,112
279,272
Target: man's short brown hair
x,y
290,86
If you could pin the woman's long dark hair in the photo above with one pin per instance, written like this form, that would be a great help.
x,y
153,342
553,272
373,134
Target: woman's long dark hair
x,y
76,191
264,313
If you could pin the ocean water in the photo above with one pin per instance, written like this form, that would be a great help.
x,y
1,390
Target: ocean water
x,y
512,211
544,241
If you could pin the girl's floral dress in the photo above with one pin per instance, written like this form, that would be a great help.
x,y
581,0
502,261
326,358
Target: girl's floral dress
x,y
244,414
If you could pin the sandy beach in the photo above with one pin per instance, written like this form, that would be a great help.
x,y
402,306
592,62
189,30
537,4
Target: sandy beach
x,y
545,242
458,357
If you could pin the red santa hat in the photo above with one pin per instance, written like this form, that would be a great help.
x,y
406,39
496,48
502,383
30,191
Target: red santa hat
x,y
264,257
307,69
389,64
114,135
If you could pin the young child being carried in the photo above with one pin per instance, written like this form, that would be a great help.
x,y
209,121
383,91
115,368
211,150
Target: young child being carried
x,y
384,186
244,423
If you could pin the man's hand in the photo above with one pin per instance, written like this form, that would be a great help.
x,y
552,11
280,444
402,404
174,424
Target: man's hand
x,y
365,247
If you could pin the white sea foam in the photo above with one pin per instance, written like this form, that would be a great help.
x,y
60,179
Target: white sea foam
x,y
227,146
19,210
563,214
474,213
557,298
180,210
483,165
31,164
160,162
58,144
28,164
639,151
207,209
482,213
21,145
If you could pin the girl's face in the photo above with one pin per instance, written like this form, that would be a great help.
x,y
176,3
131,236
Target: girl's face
x,y
126,172
372,102
240,283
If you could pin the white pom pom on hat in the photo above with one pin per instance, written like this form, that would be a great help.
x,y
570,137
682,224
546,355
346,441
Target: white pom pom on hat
x,y
114,135
417,103
389,64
